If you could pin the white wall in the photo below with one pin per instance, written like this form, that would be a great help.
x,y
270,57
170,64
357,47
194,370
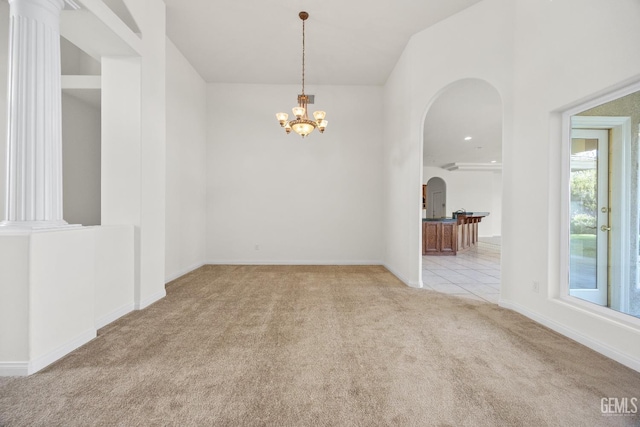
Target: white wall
x,y
496,204
549,77
475,191
151,19
535,54
57,287
475,43
47,296
313,200
80,161
114,273
4,52
186,166
61,295
14,300
134,147
74,61
150,16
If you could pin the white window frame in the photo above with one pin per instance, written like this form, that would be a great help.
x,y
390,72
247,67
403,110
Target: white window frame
x,y
621,196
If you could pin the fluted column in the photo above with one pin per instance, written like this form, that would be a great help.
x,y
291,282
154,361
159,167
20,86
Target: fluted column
x,y
34,146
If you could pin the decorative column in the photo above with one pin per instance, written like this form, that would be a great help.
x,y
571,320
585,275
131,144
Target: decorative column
x,y
34,146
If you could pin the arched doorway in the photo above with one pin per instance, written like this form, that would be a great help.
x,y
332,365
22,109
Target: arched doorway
x,y
436,198
462,146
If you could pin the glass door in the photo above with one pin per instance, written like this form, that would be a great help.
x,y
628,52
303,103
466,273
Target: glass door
x,y
589,215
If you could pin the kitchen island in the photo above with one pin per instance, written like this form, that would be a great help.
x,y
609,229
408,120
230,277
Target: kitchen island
x,y
448,236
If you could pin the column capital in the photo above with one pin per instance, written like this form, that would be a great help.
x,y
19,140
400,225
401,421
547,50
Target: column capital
x,y
47,11
50,4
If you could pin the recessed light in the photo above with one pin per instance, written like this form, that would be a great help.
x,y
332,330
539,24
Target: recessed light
x,y
467,138
494,161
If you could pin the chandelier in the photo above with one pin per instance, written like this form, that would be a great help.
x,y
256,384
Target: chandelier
x,y
302,125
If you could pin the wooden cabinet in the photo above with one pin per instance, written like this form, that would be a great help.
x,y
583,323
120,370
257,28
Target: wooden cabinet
x,y
448,240
448,236
439,238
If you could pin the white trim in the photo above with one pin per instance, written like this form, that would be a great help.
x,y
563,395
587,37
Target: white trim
x,y
140,305
402,278
292,262
603,312
593,344
113,316
599,164
621,129
23,369
14,369
71,5
48,358
341,262
96,15
625,90
182,272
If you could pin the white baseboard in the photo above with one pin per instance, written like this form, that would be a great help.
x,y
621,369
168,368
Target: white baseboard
x,y
293,262
23,369
595,345
148,301
114,315
402,278
47,359
14,369
182,272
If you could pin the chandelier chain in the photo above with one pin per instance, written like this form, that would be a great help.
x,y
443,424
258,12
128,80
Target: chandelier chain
x,y
302,124
303,52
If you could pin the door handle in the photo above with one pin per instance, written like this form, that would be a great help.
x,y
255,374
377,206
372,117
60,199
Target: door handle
x,y
605,228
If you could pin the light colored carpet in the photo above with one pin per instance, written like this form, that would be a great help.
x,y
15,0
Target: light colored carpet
x,y
319,346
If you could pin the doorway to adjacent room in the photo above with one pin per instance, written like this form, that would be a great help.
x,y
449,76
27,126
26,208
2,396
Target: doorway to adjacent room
x,y
462,168
436,206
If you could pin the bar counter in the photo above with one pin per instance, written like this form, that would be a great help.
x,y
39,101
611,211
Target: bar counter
x,y
448,236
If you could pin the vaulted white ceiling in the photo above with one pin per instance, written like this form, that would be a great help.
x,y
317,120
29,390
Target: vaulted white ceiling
x,y
354,42
467,109
349,42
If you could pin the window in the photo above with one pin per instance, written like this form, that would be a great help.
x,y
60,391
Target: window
x,y
601,202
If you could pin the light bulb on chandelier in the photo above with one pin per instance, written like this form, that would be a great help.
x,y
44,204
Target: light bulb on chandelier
x,y
302,124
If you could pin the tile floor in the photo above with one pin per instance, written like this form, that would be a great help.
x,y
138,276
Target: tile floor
x,y
473,274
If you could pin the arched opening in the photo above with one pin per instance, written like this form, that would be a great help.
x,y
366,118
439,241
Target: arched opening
x,y
462,146
435,204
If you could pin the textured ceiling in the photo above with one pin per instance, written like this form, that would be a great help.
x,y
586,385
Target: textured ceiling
x,y
349,42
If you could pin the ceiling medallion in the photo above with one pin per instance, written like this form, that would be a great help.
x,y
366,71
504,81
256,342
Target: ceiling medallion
x,y
302,125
